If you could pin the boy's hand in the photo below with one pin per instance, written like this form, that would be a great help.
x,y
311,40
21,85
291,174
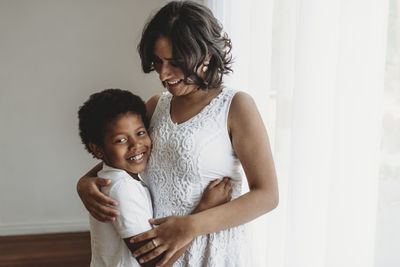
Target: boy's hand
x,y
94,200
217,192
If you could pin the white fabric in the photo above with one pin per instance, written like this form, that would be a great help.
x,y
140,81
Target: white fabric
x,y
135,207
185,158
323,72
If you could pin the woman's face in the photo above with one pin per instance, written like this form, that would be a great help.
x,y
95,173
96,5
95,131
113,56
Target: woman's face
x,y
166,67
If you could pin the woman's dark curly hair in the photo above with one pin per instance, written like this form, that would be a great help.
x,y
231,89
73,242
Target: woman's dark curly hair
x,y
102,108
194,33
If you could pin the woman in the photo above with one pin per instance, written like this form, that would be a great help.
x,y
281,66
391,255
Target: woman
x,y
201,131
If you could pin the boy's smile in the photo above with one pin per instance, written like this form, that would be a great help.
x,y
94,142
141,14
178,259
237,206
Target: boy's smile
x,y
126,144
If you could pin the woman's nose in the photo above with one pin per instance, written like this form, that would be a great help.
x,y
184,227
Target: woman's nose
x,y
164,72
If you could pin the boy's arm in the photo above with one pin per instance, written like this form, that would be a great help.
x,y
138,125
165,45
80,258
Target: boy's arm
x,y
134,212
152,263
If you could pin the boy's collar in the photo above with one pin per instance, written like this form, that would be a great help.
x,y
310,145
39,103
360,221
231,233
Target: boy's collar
x,y
109,168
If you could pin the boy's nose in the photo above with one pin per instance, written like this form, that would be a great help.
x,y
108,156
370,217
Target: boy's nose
x,y
133,144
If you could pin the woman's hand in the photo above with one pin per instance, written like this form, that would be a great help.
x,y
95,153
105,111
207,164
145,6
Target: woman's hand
x,y
94,200
217,192
172,234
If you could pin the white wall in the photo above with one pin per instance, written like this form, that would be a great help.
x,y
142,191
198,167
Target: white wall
x,y
53,55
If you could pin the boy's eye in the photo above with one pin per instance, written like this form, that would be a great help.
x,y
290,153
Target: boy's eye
x,y
141,133
120,140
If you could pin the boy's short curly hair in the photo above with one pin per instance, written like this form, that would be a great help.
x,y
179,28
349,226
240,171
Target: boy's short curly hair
x,y
102,108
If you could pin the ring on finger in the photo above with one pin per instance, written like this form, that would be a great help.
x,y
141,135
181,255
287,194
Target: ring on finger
x,y
154,243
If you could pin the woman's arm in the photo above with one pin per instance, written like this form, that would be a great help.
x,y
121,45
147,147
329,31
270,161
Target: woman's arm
x,y
95,201
250,142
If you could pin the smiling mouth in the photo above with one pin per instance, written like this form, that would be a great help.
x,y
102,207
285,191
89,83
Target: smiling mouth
x,y
137,157
173,83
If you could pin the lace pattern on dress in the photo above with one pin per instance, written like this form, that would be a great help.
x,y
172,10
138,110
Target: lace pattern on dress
x,y
175,181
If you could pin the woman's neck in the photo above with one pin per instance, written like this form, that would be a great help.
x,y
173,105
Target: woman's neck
x,y
198,96
183,108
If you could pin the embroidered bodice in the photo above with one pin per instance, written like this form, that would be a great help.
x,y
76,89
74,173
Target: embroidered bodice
x,y
185,158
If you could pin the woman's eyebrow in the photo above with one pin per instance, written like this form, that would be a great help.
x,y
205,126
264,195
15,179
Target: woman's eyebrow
x,y
166,58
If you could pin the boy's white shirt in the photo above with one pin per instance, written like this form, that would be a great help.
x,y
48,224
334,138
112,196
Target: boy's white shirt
x,y
135,207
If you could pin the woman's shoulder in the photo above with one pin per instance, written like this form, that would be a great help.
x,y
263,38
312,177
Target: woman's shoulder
x,y
243,108
241,100
151,104
237,95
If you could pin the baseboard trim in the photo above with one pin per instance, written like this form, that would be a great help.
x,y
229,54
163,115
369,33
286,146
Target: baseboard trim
x,y
61,250
43,227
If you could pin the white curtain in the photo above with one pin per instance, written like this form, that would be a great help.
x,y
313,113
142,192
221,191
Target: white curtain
x,y
316,71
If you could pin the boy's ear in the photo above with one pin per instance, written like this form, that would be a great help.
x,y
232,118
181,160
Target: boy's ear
x,y
97,150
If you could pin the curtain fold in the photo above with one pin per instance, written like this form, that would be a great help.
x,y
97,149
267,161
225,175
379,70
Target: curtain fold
x,y
316,71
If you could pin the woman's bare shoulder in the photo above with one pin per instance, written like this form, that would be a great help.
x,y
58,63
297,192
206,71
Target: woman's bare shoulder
x,y
242,108
241,100
151,105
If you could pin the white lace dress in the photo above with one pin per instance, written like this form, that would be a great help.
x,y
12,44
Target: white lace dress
x,y
185,158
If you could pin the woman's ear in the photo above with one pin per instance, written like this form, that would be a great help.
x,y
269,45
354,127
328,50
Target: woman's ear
x,y
206,62
97,150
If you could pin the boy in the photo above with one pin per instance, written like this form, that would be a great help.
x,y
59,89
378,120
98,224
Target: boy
x,y
113,127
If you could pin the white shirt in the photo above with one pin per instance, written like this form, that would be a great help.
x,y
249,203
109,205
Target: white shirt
x,y
135,207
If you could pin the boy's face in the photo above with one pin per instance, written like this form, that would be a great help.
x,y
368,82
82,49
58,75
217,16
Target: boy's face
x,y
127,145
